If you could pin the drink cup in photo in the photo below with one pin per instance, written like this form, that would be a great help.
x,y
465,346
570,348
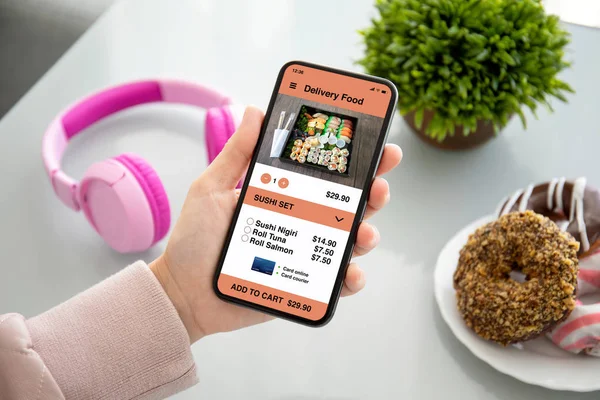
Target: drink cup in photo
x,y
279,139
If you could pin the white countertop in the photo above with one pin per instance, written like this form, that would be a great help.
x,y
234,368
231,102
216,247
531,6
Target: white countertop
x,y
389,341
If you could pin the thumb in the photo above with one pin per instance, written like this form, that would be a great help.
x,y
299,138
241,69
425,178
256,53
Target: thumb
x,y
230,165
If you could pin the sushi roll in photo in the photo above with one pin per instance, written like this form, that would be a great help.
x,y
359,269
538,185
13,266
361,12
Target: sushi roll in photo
x,y
327,158
334,159
306,144
335,151
343,160
341,168
332,166
304,152
298,143
346,132
328,152
301,159
309,158
345,152
293,155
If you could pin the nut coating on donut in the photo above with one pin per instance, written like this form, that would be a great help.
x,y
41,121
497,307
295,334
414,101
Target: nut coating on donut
x,y
501,309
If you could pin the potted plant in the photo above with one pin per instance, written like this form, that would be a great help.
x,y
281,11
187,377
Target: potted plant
x,y
463,68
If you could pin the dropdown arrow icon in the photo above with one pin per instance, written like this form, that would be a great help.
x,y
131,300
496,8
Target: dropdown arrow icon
x,y
338,219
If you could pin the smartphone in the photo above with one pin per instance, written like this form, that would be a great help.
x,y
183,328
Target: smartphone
x,y
305,193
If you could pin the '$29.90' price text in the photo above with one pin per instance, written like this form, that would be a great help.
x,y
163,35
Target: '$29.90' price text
x,y
323,251
337,196
298,305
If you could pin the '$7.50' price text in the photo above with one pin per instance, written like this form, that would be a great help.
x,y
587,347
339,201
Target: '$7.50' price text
x,y
321,259
298,305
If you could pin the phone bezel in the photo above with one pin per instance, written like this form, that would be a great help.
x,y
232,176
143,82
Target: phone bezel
x,y
335,294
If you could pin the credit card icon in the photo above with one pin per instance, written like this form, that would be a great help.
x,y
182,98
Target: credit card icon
x,y
262,265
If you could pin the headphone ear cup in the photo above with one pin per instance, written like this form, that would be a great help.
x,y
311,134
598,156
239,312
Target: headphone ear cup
x,y
125,202
154,191
221,123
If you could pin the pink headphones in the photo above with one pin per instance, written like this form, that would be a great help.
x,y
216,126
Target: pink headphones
x,y
122,197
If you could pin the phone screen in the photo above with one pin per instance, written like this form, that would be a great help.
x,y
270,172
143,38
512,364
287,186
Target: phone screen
x,y
293,234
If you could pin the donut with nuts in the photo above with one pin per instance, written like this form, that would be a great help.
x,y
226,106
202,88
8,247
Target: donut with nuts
x,y
501,309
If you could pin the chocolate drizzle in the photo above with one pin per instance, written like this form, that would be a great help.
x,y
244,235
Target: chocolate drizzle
x,y
572,205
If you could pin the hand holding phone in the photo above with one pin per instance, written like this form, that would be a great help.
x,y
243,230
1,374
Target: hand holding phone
x,y
186,268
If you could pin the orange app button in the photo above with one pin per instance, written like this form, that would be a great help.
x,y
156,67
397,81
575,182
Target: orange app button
x,y
283,183
271,298
265,178
299,208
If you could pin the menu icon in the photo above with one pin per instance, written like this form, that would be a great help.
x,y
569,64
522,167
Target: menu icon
x,y
293,85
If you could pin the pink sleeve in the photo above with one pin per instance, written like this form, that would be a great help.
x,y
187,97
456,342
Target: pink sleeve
x,y
120,339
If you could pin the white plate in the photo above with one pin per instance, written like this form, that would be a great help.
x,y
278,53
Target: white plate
x,y
537,362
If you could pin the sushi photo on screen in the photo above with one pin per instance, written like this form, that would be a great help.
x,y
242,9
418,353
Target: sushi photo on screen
x,y
321,139
263,265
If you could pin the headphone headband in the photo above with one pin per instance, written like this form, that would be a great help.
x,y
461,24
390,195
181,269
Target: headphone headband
x,y
95,107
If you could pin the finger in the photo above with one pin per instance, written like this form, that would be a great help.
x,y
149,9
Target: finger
x,y
230,165
392,155
354,281
378,197
367,238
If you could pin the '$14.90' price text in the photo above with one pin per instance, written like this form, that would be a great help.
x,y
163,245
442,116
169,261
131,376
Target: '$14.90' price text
x,y
323,250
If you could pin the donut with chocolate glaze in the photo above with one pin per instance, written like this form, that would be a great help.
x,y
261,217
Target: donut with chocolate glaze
x,y
504,310
573,205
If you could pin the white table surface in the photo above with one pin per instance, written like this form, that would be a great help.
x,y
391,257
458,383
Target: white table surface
x,y
389,341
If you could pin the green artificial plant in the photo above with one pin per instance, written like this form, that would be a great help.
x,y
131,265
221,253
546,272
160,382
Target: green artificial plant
x,y
467,60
